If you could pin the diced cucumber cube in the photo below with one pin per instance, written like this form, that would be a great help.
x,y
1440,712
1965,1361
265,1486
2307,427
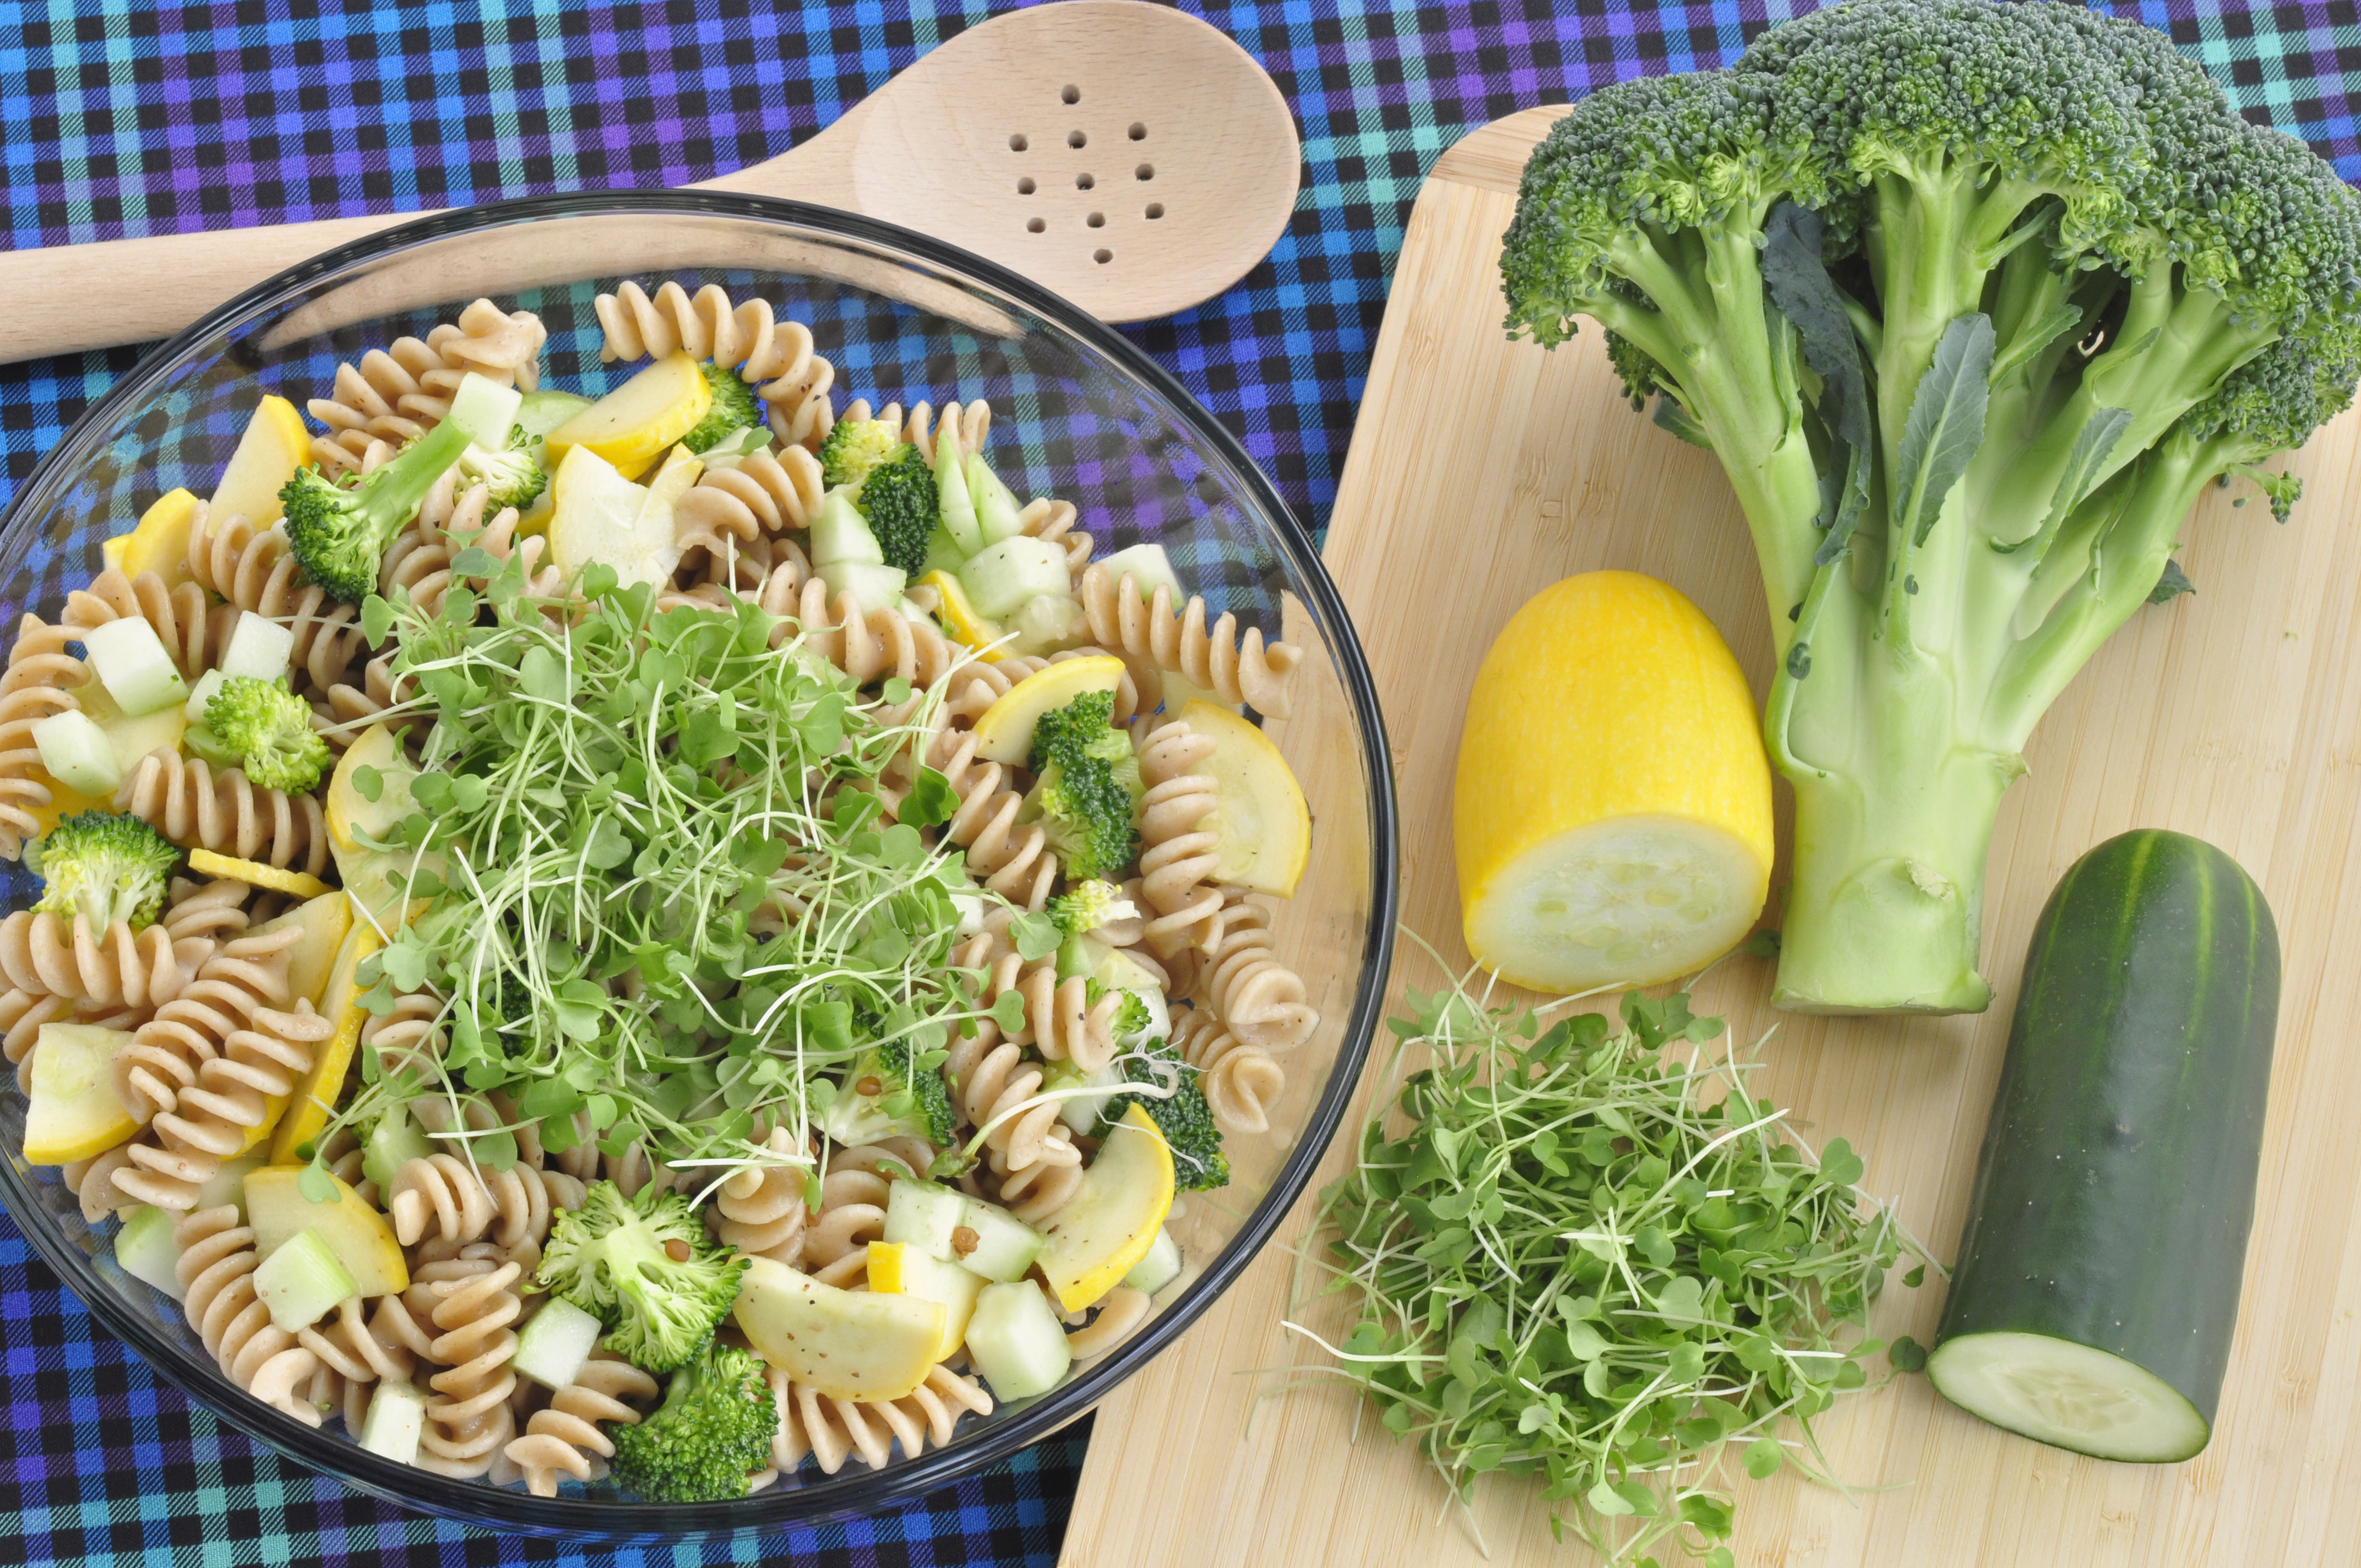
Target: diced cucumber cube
x,y
923,1214
228,1185
1016,1341
145,1248
198,740
873,587
841,533
1150,567
134,666
486,411
202,694
736,447
394,1142
956,501
1080,955
551,1347
77,752
1160,1268
257,648
999,577
397,1416
1046,622
1083,1113
997,511
1005,1246
302,1281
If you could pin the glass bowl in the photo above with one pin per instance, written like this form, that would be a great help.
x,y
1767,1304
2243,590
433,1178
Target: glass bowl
x,y
1078,412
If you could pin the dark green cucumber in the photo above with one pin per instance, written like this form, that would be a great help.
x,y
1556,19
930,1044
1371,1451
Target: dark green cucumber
x,y
2098,1278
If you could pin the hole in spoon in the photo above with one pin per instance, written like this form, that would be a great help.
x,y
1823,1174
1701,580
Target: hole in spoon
x,y
1138,132
1077,139
1096,220
1145,172
1155,209
1103,255
1034,225
1026,187
1083,181
1069,95
1017,144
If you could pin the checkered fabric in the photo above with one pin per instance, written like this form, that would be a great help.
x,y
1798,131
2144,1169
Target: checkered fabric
x,y
124,117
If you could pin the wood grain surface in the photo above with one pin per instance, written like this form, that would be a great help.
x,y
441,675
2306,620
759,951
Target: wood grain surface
x,y
1483,470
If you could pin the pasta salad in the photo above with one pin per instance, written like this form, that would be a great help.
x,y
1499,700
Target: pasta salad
x,y
641,939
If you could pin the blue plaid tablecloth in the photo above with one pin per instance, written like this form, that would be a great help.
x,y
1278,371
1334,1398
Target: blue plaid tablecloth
x,y
127,117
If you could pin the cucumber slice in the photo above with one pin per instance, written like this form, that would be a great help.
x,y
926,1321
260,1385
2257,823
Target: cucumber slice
x,y
1160,1268
302,1281
257,648
2072,1396
551,1347
544,411
923,1214
1005,1246
1080,955
1148,566
133,665
77,752
146,1250
1016,1341
201,694
486,411
392,1142
996,509
956,501
397,1415
873,585
944,553
839,533
1000,578
1047,622
1084,1113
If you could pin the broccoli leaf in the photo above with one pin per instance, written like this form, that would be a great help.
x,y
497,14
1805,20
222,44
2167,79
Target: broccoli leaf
x,y
1946,425
2171,584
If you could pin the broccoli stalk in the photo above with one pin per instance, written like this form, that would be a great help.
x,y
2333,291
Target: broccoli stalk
x,y
732,409
888,1094
102,867
646,1268
713,1429
269,730
511,477
1971,300
338,535
1088,787
1086,906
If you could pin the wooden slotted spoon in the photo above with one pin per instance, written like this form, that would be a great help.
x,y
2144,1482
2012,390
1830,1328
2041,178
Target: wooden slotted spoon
x,y
1128,156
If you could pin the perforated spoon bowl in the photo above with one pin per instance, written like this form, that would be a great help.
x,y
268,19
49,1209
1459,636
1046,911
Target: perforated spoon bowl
x,y
1126,156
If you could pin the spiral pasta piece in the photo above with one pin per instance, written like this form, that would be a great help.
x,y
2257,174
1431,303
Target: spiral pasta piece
x,y
92,1181
762,1212
195,807
397,393
1122,1312
472,1305
1179,850
1053,521
257,570
465,1203
991,1081
1011,857
221,1113
1241,978
744,337
972,420
564,1439
217,1275
833,1430
1241,1082
1145,626
192,630
40,680
763,496
851,1215
45,955
230,989
1064,1024
1033,1192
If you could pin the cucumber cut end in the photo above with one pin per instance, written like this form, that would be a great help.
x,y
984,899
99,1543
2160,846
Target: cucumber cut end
x,y
553,1345
2069,1395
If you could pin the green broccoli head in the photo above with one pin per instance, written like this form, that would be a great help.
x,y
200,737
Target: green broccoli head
x,y
105,867
713,1429
854,446
1182,1116
615,1256
1088,904
509,476
902,505
733,408
887,1095
1089,787
268,729
338,535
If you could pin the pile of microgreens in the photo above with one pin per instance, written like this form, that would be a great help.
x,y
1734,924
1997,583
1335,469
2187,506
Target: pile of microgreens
x,y
1565,1263
664,892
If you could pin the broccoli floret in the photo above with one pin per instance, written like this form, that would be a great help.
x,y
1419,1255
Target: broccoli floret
x,y
338,535
1186,1120
615,1258
268,729
1087,906
732,409
900,499
1089,786
888,1094
713,1429
103,868
854,446
2026,257
1131,1020
509,476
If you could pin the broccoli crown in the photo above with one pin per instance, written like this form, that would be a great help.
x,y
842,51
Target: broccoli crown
x,y
732,409
713,1429
900,499
1182,1116
338,536
1089,904
854,446
511,477
270,729
105,867
1088,787
888,1094
612,1257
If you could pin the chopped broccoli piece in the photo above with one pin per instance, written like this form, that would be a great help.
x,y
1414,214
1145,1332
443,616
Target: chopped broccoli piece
x,y
268,729
1186,1120
1131,1020
854,446
338,536
732,409
888,1094
1087,906
900,499
614,1256
712,1431
511,476
1089,786
105,867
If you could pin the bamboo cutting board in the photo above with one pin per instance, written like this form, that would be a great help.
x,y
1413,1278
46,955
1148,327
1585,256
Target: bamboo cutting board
x,y
1483,470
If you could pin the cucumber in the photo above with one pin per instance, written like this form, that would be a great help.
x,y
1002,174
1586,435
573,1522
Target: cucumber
x,y
954,500
544,411
146,1250
551,1347
1148,566
133,665
873,585
1000,578
841,533
302,1281
486,411
996,508
923,1214
1160,1268
397,1416
1016,1341
1047,622
1005,1246
77,752
2098,1278
258,648
201,695
198,741
394,1142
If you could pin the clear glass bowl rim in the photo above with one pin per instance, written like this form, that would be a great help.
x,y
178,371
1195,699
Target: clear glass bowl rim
x,y
856,1490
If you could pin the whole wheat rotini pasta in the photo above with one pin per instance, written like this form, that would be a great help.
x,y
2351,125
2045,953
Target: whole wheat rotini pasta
x,y
1239,976
217,1274
472,1303
973,421
1178,844
566,1438
832,1429
193,632
745,338
397,393
40,678
257,570
1241,1082
1123,1311
1236,668
185,800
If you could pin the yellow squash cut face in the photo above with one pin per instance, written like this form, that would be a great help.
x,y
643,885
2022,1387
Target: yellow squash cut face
x,y
632,426
1263,828
1612,811
1004,733
340,1000
275,445
72,1112
356,1233
1107,1227
846,1345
